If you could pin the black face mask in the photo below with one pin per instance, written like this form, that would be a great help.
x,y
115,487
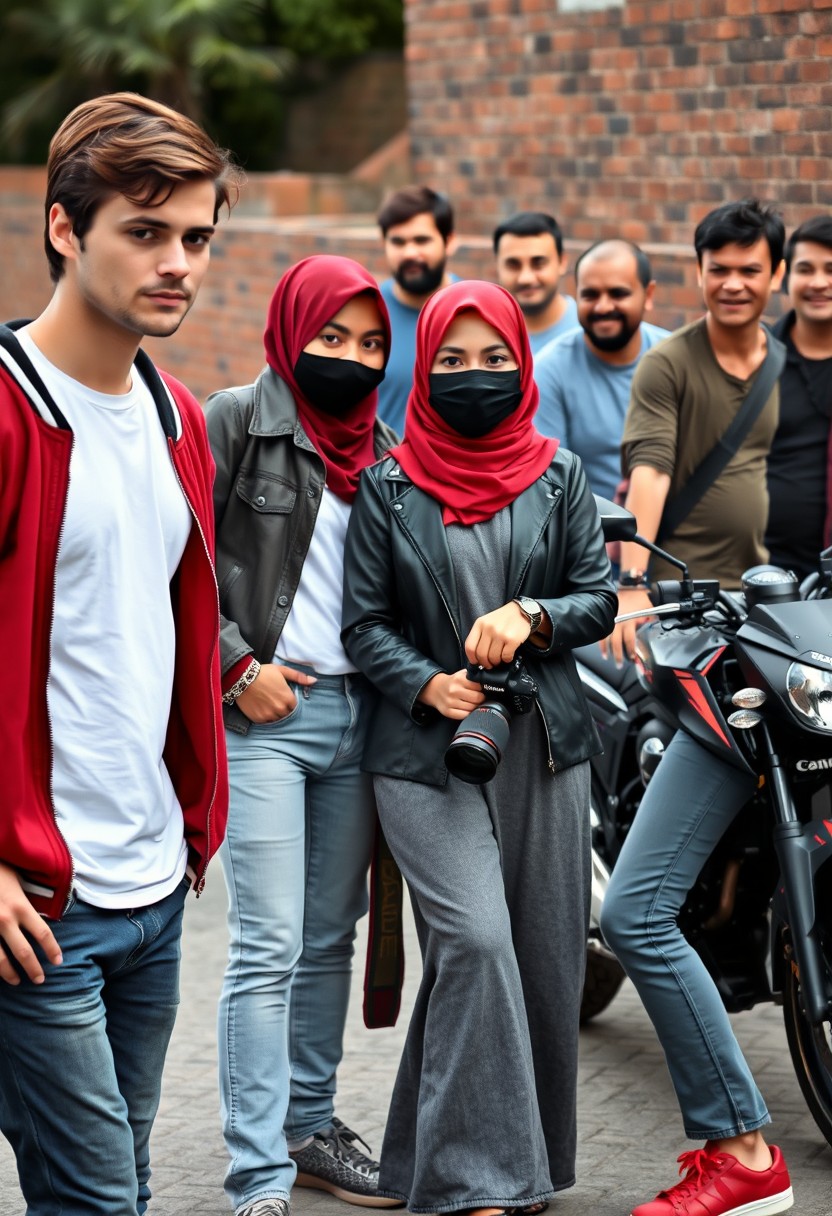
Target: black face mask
x,y
473,403
335,386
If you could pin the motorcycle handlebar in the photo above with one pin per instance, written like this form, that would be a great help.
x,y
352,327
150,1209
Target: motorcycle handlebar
x,y
695,595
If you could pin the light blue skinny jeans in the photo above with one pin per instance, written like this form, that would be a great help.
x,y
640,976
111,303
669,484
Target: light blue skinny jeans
x,y
300,833
81,1058
690,802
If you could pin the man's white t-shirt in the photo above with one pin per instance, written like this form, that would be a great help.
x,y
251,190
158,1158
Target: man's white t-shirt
x,y
110,680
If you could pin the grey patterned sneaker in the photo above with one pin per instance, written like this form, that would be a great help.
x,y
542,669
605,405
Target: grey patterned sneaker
x,y
333,1162
265,1207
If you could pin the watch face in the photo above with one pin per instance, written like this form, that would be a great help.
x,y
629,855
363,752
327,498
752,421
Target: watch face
x,y
532,610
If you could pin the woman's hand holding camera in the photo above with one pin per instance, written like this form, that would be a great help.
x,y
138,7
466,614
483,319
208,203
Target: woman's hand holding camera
x,y
454,696
269,698
494,638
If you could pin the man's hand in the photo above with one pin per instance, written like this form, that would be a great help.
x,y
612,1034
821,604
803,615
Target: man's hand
x,y
453,695
17,919
494,638
269,698
622,640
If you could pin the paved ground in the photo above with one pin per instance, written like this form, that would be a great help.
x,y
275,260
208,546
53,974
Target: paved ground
x,y
629,1124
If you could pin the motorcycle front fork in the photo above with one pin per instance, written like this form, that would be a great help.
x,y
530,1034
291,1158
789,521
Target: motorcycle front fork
x,y
797,848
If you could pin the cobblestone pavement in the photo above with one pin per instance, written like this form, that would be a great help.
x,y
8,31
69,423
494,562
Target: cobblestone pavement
x,y
629,1130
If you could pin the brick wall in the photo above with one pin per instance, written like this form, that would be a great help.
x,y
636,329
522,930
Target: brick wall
x,y
341,123
220,342
636,119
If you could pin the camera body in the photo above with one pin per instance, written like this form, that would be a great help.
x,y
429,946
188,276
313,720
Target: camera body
x,y
481,737
509,684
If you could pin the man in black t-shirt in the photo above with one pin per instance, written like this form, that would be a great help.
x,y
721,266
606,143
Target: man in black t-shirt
x,y
798,466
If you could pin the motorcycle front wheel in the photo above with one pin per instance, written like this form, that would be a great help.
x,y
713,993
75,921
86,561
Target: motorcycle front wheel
x,y
810,1048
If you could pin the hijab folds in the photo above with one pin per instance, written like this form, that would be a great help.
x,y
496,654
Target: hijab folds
x,y
309,295
473,479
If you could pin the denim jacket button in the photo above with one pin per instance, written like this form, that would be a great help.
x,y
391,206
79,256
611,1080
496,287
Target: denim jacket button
x,y
283,601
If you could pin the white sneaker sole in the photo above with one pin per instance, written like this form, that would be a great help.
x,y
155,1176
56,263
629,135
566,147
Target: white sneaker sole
x,y
354,1197
763,1207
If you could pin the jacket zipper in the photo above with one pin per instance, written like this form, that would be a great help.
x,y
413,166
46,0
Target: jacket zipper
x,y
445,603
551,763
200,881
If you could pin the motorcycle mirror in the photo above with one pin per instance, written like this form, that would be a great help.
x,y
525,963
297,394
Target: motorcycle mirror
x,y
617,522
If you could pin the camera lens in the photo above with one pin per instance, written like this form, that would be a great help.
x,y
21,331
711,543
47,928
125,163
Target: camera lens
x,y
477,747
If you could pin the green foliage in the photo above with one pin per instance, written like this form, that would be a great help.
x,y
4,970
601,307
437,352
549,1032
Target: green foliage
x,y
338,29
228,63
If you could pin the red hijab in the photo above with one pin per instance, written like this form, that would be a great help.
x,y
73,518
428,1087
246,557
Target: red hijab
x,y
307,296
473,479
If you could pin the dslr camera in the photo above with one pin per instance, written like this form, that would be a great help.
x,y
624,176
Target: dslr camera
x,y
481,738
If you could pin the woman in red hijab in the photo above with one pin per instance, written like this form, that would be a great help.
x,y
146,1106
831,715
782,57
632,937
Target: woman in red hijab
x,y
475,563
289,450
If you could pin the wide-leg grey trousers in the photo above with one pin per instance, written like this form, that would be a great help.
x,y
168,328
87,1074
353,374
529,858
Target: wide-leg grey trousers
x,y
484,1108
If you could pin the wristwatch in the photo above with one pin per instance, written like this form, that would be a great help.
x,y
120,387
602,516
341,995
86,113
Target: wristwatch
x,y
532,610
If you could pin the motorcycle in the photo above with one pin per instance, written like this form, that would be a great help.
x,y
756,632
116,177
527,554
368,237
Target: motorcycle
x,y
749,675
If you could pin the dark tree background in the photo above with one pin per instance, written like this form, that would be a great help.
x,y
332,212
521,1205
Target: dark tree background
x,y
231,64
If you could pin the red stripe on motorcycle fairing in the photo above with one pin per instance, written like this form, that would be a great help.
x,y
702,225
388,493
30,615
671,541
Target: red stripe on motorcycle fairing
x,y
699,701
819,839
710,662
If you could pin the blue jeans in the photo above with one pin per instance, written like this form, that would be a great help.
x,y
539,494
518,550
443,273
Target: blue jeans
x,y
688,805
296,854
81,1059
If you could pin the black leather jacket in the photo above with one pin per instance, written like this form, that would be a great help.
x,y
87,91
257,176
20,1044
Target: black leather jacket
x,y
267,492
401,619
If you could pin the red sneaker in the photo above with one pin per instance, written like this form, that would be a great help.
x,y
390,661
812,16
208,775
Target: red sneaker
x,y
716,1184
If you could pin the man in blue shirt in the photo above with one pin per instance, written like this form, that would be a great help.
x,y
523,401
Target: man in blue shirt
x,y
584,377
530,262
418,229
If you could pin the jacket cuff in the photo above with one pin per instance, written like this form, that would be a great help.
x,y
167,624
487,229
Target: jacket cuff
x,y
233,674
419,712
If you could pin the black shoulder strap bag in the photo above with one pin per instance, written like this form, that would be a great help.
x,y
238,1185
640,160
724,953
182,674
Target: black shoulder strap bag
x,y
709,468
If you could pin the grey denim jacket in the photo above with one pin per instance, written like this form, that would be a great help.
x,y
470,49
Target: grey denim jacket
x,y
267,492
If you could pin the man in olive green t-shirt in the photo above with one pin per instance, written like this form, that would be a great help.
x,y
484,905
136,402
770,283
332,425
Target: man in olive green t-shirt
x,y
684,396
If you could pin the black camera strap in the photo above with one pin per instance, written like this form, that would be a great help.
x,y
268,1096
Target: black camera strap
x,y
384,972
709,468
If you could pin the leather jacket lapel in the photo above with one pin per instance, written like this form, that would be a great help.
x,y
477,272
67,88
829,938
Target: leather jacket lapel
x,y
530,515
420,517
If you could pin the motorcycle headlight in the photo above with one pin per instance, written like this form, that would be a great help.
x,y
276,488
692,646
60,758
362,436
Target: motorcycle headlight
x,y
810,694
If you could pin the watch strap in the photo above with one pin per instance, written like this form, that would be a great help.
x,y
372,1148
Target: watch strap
x,y
531,610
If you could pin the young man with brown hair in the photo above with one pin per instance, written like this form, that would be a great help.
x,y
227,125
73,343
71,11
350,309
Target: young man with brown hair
x,y
115,790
